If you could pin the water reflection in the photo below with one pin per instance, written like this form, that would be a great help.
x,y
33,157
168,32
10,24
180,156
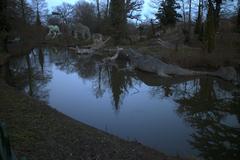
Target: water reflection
x,y
212,108
28,74
92,68
150,109
214,113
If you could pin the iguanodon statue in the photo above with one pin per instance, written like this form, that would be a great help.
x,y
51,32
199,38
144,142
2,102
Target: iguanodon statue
x,y
54,31
151,64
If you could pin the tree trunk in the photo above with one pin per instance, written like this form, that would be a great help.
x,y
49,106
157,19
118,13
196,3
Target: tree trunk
x,y
190,18
189,31
4,28
217,13
184,14
153,28
238,16
107,9
38,19
22,5
30,75
98,17
198,26
98,10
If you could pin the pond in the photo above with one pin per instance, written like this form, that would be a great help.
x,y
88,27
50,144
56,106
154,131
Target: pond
x,y
187,116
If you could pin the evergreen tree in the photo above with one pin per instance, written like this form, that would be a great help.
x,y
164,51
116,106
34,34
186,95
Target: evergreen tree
x,y
120,12
167,14
199,24
39,7
198,20
118,19
210,27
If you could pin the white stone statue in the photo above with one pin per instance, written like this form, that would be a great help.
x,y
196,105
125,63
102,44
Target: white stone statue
x,y
54,31
97,38
81,31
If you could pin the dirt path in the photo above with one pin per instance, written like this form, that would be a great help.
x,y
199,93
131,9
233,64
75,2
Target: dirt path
x,y
39,132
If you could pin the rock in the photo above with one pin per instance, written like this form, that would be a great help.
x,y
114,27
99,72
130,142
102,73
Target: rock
x,y
227,73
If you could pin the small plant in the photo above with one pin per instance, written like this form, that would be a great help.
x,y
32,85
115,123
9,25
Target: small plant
x,y
6,152
3,35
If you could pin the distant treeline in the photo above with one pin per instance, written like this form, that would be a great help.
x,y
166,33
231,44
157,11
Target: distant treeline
x,y
118,18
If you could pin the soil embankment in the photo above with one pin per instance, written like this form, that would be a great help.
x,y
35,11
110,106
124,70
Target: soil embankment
x,y
39,132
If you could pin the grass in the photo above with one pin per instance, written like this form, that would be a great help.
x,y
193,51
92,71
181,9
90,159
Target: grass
x,y
226,53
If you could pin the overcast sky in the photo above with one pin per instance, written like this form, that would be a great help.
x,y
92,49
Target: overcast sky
x,y
52,3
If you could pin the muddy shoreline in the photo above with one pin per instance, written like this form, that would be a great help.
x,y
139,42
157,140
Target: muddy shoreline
x,y
39,132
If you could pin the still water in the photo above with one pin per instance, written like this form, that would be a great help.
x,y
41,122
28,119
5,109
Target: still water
x,y
187,116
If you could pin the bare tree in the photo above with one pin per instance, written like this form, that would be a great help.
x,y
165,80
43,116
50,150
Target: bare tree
x,y
86,14
183,12
107,9
120,11
65,11
133,8
155,3
98,10
39,7
190,21
24,11
238,13
217,10
199,24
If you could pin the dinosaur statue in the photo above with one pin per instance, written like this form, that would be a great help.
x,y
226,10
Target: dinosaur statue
x,y
97,38
154,65
54,31
82,31
90,49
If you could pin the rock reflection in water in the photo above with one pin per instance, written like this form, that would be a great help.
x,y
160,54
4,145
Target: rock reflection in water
x,y
208,106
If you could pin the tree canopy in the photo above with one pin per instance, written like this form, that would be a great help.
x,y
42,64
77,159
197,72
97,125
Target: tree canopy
x,y
167,13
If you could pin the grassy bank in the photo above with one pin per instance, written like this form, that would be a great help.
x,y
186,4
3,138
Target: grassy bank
x,y
39,132
3,58
195,58
226,52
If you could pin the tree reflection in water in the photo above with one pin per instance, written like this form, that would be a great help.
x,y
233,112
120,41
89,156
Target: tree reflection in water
x,y
209,105
91,68
209,113
28,74
119,83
